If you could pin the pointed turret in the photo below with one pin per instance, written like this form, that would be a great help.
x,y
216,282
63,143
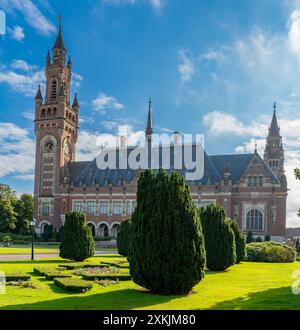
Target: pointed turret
x,y
226,170
39,95
69,61
48,58
75,104
59,42
149,129
274,130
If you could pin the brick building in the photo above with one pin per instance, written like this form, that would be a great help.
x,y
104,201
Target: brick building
x,y
252,189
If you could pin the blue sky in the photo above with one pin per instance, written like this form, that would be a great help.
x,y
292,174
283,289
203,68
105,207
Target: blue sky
x,y
212,67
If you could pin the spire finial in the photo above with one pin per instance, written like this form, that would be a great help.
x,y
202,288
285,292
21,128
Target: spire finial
x,y
274,106
59,22
255,147
149,129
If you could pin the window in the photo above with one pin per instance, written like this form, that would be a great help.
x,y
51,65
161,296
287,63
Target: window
x,y
254,220
91,208
103,207
78,206
45,209
53,89
117,207
260,180
128,207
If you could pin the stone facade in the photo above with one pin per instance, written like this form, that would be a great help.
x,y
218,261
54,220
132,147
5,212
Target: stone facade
x,y
252,190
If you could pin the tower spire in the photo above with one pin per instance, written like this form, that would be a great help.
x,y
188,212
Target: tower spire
x,y
149,129
39,94
274,130
59,42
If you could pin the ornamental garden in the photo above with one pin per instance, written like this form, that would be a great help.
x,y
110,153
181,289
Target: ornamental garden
x,y
171,255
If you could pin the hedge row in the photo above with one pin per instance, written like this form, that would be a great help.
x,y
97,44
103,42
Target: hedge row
x,y
79,265
270,252
43,270
50,275
16,277
119,265
73,284
95,277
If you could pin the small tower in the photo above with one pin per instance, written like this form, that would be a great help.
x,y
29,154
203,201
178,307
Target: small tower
x,y
274,152
149,129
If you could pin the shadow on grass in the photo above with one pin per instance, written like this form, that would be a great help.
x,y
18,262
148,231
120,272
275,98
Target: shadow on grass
x,y
120,299
271,299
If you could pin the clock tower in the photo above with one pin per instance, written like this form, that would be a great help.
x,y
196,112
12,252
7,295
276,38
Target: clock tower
x,y
56,129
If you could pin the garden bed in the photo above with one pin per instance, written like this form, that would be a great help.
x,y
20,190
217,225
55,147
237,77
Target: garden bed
x,y
73,284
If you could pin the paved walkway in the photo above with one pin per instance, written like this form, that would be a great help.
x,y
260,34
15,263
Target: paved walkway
x,y
27,256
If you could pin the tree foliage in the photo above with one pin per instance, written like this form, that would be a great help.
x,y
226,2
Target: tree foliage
x,y
77,241
240,242
219,238
297,175
24,214
7,213
123,237
166,251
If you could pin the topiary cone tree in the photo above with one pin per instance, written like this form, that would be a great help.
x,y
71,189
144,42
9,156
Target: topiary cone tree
x,y
240,242
123,237
166,251
77,242
219,238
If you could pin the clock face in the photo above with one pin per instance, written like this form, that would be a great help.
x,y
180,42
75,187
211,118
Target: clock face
x,y
49,145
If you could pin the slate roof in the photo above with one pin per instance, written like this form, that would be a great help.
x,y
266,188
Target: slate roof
x,y
88,173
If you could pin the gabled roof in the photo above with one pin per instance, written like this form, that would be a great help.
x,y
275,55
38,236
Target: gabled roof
x,y
88,173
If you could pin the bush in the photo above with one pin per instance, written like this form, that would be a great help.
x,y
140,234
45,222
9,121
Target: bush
x,y
270,252
23,285
249,238
79,265
166,251
6,240
119,265
43,270
77,241
267,238
51,274
219,238
73,284
98,277
123,237
258,239
16,277
240,243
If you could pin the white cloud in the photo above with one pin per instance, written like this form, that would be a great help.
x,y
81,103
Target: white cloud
x,y
104,102
17,150
22,65
76,79
294,32
156,4
86,120
213,55
17,33
31,14
220,123
28,115
186,67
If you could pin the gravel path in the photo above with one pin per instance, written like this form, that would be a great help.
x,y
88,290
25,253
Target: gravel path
x,y
27,256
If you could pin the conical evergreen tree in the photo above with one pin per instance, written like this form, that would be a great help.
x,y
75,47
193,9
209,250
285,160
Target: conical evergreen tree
x,y
219,238
249,237
166,251
77,242
123,237
240,242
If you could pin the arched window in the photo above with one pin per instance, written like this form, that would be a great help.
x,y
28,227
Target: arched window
x,y
49,112
43,113
249,181
103,230
114,230
53,89
254,220
260,180
54,112
255,181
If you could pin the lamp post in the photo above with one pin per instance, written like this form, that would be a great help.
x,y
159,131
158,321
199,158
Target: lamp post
x,y
33,223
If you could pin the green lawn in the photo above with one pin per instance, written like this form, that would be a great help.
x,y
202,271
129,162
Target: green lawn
x,y
243,286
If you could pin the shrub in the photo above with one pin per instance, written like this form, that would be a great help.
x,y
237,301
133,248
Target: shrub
x,y
6,240
297,246
43,270
219,238
51,274
116,264
166,251
98,277
123,237
77,241
73,284
267,238
25,284
270,252
249,238
18,277
240,242
79,265
258,239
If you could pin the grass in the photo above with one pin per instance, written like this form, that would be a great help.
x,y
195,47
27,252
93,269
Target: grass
x,y
243,286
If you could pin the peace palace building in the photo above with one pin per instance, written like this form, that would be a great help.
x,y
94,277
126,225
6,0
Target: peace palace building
x,y
252,189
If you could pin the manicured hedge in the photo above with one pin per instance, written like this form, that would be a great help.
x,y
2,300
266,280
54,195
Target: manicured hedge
x,y
94,277
10,277
43,270
73,284
50,275
270,252
79,265
119,264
